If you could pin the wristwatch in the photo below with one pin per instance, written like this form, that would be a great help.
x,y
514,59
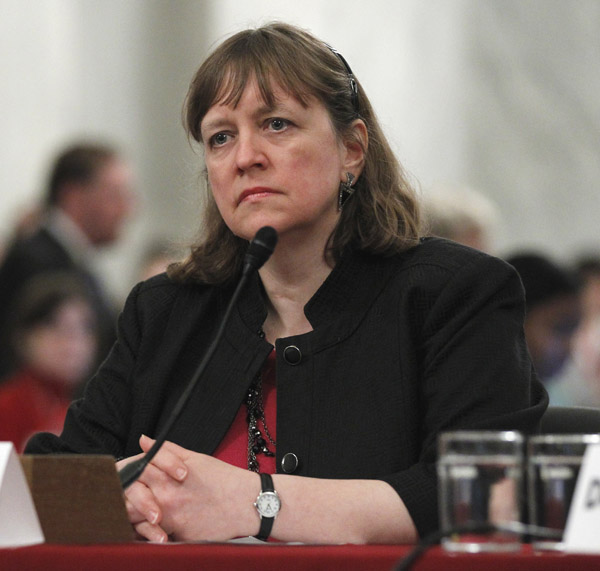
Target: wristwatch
x,y
268,505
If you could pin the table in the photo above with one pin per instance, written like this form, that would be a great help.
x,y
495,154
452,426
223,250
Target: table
x,y
225,557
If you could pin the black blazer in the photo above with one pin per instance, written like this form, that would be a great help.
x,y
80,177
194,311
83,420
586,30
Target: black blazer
x,y
402,349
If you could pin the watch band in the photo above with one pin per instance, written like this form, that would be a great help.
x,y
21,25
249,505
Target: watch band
x,y
266,483
266,523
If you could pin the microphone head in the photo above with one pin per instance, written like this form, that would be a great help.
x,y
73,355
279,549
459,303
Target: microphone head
x,y
260,249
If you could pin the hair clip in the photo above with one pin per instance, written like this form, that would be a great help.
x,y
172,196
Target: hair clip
x,y
351,78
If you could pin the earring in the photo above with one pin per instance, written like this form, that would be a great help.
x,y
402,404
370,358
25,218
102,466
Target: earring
x,y
346,190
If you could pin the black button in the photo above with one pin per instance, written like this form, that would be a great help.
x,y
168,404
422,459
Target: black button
x,y
292,355
289,463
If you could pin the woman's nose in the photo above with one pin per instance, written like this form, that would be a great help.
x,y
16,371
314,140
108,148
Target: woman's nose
x,y
249,152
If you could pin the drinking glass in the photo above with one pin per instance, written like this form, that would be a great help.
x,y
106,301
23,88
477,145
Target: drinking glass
x,y
480,484
553,463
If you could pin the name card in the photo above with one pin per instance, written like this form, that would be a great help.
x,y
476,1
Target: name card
x,y
19,523
581,532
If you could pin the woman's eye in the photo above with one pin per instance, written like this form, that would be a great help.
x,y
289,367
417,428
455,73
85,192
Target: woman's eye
x,y
218,139
278,124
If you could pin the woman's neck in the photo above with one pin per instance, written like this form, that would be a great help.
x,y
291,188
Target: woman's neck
x,y
290,278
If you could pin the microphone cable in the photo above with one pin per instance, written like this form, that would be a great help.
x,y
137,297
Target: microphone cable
x,y
435,537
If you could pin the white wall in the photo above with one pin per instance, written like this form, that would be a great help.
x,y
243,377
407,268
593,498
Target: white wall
x,y
499,95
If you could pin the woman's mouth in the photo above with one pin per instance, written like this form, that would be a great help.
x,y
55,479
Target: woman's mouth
x,y
255,193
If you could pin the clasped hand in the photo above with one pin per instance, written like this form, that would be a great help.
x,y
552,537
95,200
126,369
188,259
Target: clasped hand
x,y
187,496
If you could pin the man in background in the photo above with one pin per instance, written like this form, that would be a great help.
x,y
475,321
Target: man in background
x,y
88,198
553,311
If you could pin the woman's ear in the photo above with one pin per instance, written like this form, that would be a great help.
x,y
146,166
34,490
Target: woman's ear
x,y
356,143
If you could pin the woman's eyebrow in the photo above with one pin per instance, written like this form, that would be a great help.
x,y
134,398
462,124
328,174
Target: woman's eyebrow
x,y
213,124
276,107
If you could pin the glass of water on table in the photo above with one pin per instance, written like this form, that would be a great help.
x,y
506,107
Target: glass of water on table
x,y
480,490
553,463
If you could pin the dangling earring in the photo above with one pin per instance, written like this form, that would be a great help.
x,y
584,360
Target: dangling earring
x,y
346,190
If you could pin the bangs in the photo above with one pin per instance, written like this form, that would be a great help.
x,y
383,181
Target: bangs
x,y
240,74
223,78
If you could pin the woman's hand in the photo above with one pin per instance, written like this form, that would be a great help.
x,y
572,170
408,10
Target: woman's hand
x,y
143,509
213,502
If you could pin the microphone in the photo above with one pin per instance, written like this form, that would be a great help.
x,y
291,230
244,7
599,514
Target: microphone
x,y
259,251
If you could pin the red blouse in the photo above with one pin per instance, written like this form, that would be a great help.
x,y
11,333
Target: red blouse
x,y
234,447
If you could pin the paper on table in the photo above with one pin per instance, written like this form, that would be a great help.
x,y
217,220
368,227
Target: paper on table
x,y
583,522
19,523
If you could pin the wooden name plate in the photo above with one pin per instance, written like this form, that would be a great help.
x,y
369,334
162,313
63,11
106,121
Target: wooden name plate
x,y
78,498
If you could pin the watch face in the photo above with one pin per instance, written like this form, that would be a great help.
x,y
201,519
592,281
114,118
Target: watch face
x,y
268,504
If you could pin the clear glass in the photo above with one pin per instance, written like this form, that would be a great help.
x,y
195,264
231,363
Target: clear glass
x,y
553,463
480,482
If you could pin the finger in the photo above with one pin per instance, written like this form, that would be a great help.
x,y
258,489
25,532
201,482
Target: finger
x,y
142,505
153,475
151,532
179,451
168,458
122,463
133,514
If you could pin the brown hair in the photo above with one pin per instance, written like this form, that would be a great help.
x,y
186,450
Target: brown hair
x,y
381,217
38,301
79,163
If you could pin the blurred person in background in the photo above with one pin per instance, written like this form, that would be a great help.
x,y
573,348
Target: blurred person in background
x,y
461,214
579,385
53,341
88,198
553,311
588,270
156,259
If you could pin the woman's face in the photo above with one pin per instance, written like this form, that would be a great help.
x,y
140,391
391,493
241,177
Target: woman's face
x,y
64,348
279,166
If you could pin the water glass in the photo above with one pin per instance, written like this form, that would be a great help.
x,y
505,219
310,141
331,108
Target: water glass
x,y
553,463
480,483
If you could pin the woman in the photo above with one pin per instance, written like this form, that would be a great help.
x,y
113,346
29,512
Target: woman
x,y
382,340
54,337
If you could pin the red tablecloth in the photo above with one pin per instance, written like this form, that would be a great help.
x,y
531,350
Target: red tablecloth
x,y
196,557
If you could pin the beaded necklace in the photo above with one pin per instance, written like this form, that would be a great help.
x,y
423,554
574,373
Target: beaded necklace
x,y
257,444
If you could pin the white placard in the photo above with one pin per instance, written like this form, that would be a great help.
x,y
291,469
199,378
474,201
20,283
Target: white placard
x,y
19,523
582,532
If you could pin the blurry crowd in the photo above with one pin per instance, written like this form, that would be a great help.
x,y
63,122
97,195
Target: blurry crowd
x,y
57,321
